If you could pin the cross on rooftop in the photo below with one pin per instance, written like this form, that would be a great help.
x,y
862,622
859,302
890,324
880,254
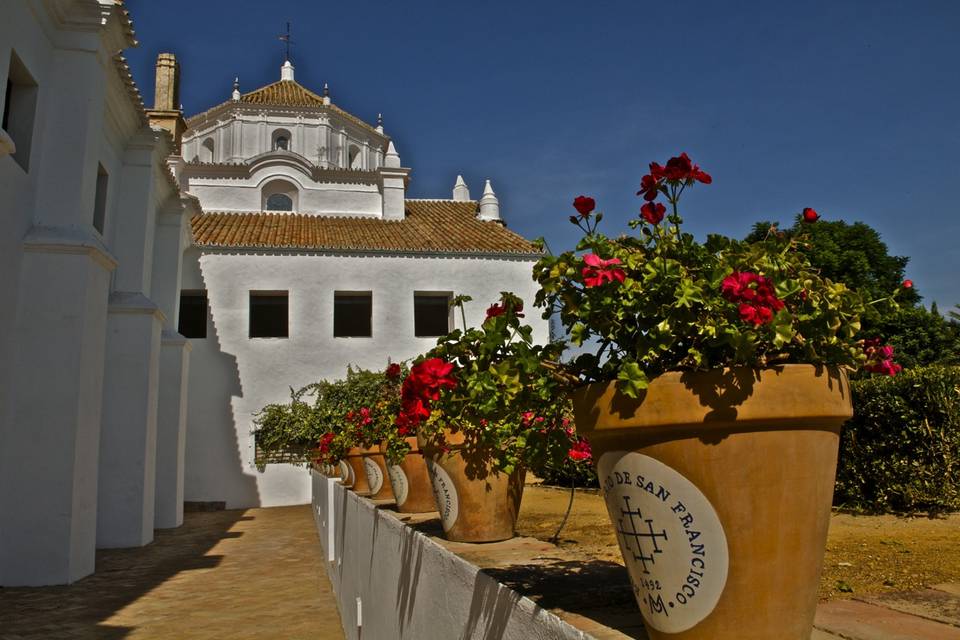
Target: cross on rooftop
x,y
287,39
638,536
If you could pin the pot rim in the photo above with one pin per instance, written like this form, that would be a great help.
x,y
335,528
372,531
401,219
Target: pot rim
x,y
731,399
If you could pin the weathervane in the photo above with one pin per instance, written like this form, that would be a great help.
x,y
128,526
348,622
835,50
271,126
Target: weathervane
x,y
288,40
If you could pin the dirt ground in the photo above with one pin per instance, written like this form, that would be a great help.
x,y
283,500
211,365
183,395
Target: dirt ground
x,y
865,554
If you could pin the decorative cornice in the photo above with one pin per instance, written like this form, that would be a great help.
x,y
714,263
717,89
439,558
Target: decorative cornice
x,y
196,169
74,240
134,303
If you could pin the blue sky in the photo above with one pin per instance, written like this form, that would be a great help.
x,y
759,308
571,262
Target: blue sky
x,y
852,108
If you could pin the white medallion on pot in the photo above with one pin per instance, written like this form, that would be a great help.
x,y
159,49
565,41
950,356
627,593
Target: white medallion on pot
x,y
671,538
444,493
374,475
399,481
346,473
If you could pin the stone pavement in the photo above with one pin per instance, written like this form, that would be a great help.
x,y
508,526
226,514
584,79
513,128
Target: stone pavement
x,y
229,574
931,614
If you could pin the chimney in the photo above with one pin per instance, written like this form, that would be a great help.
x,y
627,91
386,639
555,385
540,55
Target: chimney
x,y
167,94
489,205
461,192
166,112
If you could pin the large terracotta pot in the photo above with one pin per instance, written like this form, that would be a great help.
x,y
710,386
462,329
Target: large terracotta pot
x,y
375,468
476,503
357,475
410,482
719,485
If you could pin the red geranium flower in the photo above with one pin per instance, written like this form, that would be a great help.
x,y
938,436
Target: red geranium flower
x,y
755,295
599,270
908,284
495,310
584,205
649,186
653,212
393,370
809,215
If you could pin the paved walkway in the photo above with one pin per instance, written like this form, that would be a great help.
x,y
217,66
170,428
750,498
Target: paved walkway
x,y
229,574
931,614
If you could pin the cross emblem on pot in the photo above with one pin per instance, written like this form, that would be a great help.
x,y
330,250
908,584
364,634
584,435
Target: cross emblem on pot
x,y
633,537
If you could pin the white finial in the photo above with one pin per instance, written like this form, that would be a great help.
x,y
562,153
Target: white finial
x,y
461,192
236,88
286,71
379,123
392,159
489,204
326,93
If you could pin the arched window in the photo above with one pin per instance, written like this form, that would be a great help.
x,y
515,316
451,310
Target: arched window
x,y
279,195
206,150
281,140
355,161
279,202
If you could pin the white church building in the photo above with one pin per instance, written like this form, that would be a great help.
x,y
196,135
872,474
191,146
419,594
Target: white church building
x,y
309,257
163,279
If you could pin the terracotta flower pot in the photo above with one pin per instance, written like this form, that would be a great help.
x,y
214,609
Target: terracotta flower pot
x,y
411,483
476,503
719,485
375,468
356,472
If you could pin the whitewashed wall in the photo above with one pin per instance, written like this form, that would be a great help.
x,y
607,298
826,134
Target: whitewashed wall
x,y
245,193
232,376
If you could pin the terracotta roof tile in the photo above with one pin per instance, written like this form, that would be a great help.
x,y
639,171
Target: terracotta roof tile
x,y
430,226
285,93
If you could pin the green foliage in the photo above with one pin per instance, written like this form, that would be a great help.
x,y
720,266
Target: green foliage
x,y
901,450
509,400
564,472
852,254
920,337
356,411
855,254
668,312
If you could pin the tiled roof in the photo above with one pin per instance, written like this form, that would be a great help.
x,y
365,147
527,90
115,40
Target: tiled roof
x,y
285,93
430,226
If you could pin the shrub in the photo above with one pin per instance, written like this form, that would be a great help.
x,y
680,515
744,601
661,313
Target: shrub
x,y
901,450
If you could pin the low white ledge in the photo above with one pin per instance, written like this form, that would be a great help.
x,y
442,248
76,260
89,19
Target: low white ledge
x,y
405,586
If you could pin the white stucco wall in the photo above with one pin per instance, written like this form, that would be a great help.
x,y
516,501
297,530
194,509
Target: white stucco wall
x,y
232,376
246,193
240,131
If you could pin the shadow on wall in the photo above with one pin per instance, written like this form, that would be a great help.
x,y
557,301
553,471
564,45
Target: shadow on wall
x,y
598,589
214,467
85,608
490,609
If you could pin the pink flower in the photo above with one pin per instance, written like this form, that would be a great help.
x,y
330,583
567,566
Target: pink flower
x,y
908,284
598,271
880,358
580,451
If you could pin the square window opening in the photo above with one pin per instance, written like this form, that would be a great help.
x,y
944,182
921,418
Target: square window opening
x,y
269,314
432,314
193,315
352,314
19,109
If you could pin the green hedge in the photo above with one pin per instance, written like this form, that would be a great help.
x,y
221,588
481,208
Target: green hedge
x,y
901,450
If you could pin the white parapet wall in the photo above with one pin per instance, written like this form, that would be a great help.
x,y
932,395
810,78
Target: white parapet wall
x,y
394,583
